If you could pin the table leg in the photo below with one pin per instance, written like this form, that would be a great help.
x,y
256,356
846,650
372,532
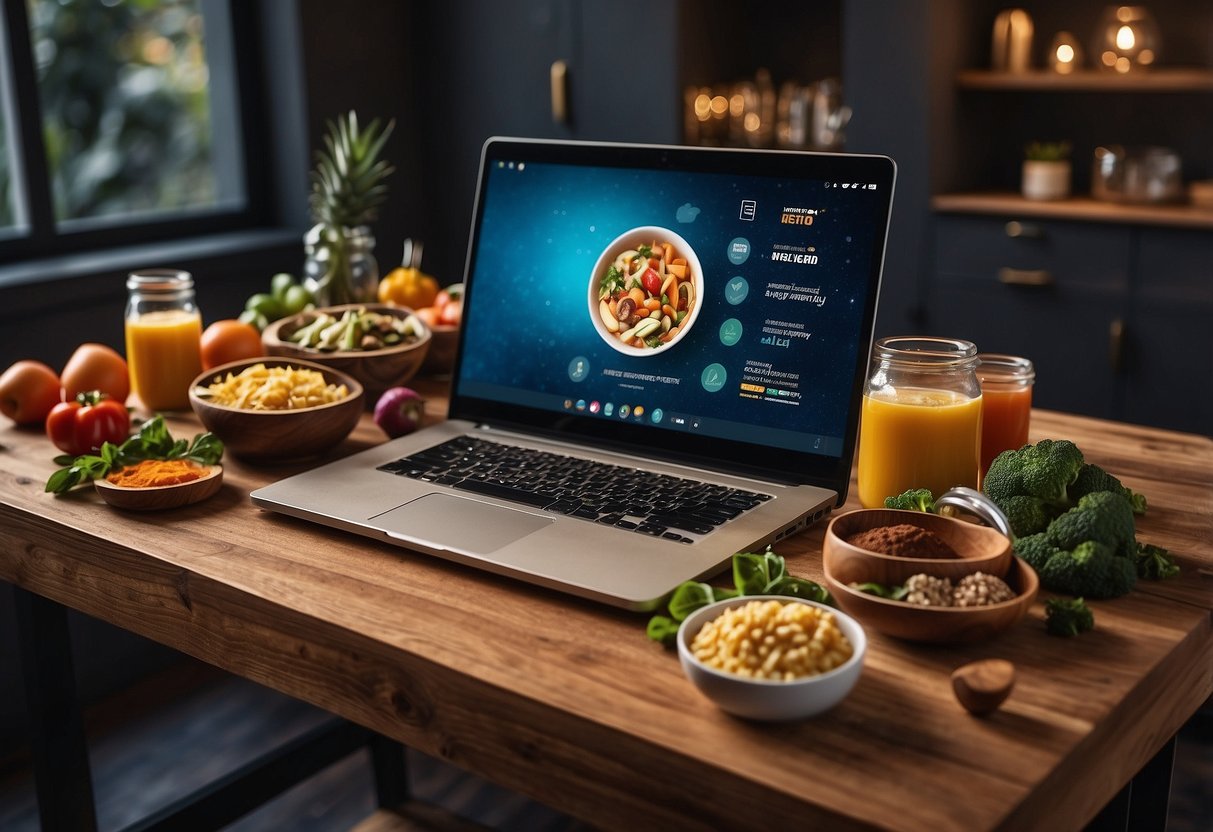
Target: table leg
x,y
390,767
1141,806
57,741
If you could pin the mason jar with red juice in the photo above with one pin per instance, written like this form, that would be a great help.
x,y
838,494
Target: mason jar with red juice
x,y
1006,388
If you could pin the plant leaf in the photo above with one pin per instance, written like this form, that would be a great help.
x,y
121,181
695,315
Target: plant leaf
x,y
750,574
663,629
688,597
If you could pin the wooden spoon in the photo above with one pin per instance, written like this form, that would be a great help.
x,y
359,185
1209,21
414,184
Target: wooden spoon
x,y
982,686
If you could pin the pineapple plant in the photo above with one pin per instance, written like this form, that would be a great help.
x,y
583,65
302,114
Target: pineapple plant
x,y
348,186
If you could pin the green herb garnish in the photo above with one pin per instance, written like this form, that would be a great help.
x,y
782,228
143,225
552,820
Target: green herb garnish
x,y
753,574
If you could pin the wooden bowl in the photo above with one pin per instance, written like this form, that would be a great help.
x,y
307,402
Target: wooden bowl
x,y
979,548
376,370
440,359
939,625
277,435
162,496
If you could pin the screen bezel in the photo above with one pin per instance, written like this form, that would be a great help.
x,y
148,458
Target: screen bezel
x,y
728,455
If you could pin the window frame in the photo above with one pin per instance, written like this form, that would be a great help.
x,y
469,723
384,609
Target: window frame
x,y
39,235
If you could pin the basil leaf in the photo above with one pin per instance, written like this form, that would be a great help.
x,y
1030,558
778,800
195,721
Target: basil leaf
x,y
776,568
873,588
800,588
688,597
750,574
662,629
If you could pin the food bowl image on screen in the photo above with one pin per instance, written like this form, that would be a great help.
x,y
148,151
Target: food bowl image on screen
x,y
624,320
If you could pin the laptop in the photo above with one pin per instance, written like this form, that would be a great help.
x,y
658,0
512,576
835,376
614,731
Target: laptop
x,y
661,364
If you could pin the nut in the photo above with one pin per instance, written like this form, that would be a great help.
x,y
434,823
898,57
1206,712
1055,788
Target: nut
x,y
980,589
928,591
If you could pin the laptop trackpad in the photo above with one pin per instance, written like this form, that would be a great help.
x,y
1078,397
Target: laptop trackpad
x,y
444,521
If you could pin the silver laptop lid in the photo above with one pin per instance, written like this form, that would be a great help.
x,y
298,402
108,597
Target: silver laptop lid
x,y
682,303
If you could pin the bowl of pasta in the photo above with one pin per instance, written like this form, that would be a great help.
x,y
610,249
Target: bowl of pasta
x,y
276,409
645,291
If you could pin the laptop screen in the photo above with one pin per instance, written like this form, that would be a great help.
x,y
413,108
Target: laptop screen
x,y
698,304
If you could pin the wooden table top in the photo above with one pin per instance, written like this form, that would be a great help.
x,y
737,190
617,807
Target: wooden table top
x,y
567,701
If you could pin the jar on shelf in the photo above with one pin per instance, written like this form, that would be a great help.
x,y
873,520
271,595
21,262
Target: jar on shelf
x,y
921,420
163,337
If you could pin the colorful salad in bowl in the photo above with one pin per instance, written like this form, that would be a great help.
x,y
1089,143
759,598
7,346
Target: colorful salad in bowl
x,y
645,290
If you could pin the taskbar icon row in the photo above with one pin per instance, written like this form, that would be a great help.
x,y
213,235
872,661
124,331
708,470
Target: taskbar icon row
x,y
628,412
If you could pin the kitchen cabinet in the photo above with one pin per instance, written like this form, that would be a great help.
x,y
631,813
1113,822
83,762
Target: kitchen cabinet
x,y
1115,316
1054,292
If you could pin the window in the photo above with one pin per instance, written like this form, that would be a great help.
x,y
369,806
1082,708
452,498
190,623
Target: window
x,y
119,122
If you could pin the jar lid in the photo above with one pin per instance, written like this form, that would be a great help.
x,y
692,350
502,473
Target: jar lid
x,y
159,280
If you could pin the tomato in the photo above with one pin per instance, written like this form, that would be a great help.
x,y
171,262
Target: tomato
x,y
96,367
85,423
452,313
230,340
28,391
428,315
651,282
450,293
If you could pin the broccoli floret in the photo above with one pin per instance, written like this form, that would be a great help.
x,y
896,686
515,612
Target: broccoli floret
x,y
1035,550
1044,470
1154,563
1068,618
1104,517
1091,570
914,499
1092,478
1027,515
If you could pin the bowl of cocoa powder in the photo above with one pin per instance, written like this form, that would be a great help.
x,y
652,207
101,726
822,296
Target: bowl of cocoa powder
x,y
887,546
925,577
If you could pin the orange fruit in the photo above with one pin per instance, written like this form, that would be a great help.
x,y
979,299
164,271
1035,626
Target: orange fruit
x,y
28,391
96,367
229,340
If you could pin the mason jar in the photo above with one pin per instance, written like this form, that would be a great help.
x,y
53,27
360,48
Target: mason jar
x,y
340,266
1006,410
163,337
921,421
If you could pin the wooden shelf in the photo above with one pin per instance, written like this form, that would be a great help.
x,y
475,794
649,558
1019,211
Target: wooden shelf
x,y
1178,79
1075,208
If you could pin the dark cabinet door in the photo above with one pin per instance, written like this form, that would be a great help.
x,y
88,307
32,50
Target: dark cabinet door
x,y
1169,337
1055,293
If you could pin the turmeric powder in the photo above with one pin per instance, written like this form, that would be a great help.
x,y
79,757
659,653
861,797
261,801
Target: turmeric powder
x,y
151,473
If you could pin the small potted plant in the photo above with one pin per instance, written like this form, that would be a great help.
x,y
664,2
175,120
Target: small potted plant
x,y
1046,170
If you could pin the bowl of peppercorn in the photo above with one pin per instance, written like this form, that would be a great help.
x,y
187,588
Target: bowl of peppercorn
x,y
926,577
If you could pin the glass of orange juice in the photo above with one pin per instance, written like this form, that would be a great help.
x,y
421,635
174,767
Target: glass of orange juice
x,y
1006,389
163,337
921,421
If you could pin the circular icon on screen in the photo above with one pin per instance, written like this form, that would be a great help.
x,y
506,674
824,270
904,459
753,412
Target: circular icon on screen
x,y
645,291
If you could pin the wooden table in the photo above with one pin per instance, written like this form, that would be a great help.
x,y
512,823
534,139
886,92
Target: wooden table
x,y
568,702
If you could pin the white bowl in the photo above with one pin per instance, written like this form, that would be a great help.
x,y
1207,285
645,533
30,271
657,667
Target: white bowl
x,y
631,239
767,699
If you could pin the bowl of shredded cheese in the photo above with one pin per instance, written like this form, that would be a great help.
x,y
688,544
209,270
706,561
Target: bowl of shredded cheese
x,y
275,409
772,657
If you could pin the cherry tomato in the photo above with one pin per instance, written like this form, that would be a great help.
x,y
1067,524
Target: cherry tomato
x,y
96,367
28,391
85,423
229,340
651,282
428,315
452,313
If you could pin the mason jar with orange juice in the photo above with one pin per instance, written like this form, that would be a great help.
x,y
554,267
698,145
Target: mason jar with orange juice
x,y
163,337
1006,392
921,421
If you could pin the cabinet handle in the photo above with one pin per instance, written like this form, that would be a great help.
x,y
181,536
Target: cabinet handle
x,y
1015,228
1024,277
560,92
1116,344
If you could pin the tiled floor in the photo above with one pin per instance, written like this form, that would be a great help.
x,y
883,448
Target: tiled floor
x,y
212,723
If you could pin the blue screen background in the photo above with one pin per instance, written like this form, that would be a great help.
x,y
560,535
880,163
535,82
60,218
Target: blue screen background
x,y
544,227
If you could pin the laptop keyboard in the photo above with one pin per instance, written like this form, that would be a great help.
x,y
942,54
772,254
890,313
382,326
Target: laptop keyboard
x,y
659,505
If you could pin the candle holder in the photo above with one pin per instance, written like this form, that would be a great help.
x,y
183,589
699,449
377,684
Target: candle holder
x,y
1126,39
1065,55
